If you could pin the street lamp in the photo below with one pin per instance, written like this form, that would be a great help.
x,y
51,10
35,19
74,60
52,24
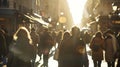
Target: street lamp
x,y
62,19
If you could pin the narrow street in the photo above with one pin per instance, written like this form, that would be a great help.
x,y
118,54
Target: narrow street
x,y
26,23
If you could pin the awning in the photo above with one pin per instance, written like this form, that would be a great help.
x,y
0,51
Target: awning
x,y
40,20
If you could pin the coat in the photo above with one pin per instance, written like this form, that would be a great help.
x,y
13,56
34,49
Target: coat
x,y
69,55
109,49
3,46
96,46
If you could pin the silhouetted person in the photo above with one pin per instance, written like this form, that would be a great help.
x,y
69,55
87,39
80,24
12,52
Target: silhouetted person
x,y
45,45
62,49
96,46
110,48
59,37
35,41
118,40
74,51
22,50
86,38
3,46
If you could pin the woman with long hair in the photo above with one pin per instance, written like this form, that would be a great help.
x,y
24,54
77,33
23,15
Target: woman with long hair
x,y
23,50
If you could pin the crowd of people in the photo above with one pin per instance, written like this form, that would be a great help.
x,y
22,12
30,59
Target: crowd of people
x,y
21,48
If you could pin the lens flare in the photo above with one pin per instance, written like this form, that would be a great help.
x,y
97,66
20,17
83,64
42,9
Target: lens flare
x,y
76,9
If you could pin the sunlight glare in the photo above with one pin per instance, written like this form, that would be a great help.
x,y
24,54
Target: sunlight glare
x,y
76,9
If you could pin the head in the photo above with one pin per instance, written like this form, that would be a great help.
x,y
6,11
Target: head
x,y
98,34
108,32
75,31
60,33
33,29
66,35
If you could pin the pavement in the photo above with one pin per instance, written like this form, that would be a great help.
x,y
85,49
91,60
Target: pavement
x,y
54,63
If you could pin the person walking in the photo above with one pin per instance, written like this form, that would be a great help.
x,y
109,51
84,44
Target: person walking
x,y
45,45
62,49
35,41
22,50
110,47
96,46
75,54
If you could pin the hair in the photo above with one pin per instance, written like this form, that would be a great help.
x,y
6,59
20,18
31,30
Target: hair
x,y
33,29
22,31
66,35
75,31
109,31
98,34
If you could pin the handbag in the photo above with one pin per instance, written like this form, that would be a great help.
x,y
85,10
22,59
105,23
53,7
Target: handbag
x,y
56,55
25,52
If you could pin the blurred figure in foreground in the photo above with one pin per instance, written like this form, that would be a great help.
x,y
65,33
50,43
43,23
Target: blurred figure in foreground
x,y
62,49
3,47
59,37
22,50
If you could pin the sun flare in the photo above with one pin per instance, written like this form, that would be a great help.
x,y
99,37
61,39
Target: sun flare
x,y
76,9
